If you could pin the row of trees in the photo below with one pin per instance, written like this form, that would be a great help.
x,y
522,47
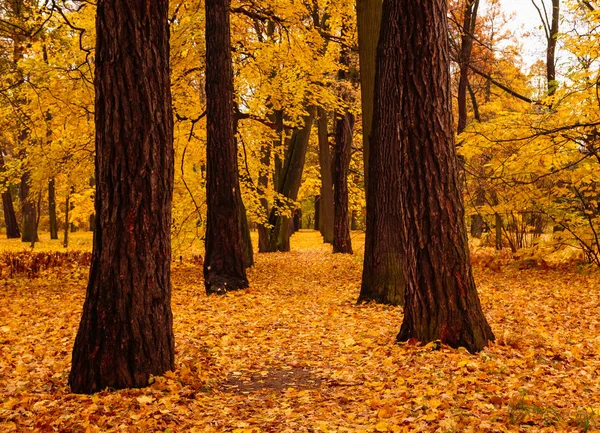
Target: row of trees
x,y
261,76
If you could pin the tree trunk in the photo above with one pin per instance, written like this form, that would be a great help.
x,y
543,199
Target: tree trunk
x,y
126,330
52,209
28,210
354,220
225,264
10,218
289,181
499,227
317,211
441,300
551,49
263,180
343,152
384,269
368,16
326,203
66,224
468,28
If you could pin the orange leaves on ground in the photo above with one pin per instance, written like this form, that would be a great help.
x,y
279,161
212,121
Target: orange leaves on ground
x,y
295,353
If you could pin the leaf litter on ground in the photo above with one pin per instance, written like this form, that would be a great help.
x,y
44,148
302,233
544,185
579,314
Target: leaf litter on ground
x,y
295,353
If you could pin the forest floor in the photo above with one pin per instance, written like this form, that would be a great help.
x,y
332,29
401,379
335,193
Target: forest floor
x,y
294,353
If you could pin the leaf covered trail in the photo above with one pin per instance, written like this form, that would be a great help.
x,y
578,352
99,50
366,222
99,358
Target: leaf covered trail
x,y
295,353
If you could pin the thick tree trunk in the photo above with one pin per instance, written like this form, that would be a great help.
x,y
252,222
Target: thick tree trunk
x,y
368,16
289,181
384,270
470,19
52,209
126,330
343,152
225,264
441,300
326,202
10,218
28,210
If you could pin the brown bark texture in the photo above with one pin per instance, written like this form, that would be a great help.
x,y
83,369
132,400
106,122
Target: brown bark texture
x,y
384,269
441,300
342,242
326,202
126,330
224,265
368,16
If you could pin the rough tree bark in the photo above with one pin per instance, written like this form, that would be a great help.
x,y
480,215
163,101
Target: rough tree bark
x,y
384,269
10,218
441,300
126,331
343,153
468,29
224,265
368,16
326,201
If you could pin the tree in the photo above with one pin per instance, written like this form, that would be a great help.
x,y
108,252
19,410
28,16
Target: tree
x,y
384,273
326,200
368,17
126,330
413,126
550,25
468,30
10,218
342,242
224,268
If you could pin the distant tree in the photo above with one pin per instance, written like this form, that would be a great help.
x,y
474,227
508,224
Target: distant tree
x,y
224,264
126,330
413,124
10,218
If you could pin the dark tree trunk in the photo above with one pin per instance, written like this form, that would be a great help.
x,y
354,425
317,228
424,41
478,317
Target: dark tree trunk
x,y
368,17
126,331
354,220
326,203
263,180
224,265
551,49
470,19
289,181
66,223
52,209
384,270
499,227
477,225
10,218
441,300
343,151
28,210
